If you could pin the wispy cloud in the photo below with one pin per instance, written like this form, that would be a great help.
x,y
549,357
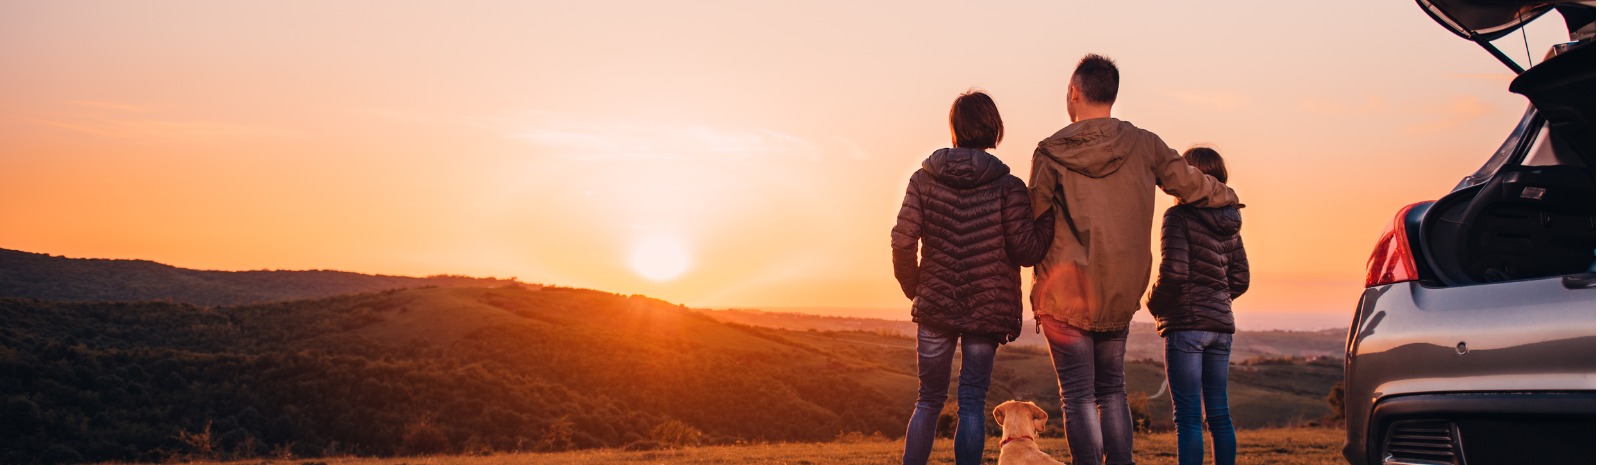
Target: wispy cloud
x,y
397,116
601,138
605,139
1420,117
122,120
1224,100
1461,110
103,105
1498,78
164,129
1369,105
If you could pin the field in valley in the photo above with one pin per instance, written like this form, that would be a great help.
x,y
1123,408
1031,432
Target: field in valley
x,y
1279,446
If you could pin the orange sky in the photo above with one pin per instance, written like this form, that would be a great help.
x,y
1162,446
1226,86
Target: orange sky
x,y
755,153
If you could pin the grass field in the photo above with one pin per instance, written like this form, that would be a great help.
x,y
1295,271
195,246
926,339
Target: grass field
x,y
1283,446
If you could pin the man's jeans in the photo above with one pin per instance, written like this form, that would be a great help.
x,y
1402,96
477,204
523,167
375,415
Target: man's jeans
x,y
1093,397
1197,368
936,348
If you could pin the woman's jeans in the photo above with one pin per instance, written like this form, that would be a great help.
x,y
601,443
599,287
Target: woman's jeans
x,y
1093,397
1197,370
936,348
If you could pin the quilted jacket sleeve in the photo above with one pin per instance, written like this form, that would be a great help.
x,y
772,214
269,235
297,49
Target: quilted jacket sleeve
x,y
1174,263
1027,238
905,235
1238,272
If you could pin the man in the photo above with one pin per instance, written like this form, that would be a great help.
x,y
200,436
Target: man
x,y
1101,173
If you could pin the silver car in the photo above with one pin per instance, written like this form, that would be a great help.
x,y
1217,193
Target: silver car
x,y
1474,341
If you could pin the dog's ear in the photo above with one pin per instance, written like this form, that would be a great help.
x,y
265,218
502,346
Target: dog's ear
x,y
1000,413
1040,418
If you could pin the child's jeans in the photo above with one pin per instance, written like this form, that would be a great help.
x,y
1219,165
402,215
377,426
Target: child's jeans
x,y
1197,371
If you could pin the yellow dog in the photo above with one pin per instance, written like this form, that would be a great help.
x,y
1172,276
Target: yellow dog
x,y
1021,423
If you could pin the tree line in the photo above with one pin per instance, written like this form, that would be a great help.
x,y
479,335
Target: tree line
x,y
560,369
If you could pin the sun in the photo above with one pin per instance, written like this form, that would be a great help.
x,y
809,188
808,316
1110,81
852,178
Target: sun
x,y
659,257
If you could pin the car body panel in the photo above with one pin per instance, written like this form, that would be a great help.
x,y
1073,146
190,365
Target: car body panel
x,y
1411,339
1516,382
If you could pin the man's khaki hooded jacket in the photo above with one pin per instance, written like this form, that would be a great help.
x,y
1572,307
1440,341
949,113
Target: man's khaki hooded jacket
x,y
1102,174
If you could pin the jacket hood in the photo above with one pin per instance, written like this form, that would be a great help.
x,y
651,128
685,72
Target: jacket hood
x,y
964,168
1093,148
1224,221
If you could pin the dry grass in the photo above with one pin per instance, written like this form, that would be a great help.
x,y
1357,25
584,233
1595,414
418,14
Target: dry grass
x,y
1284,446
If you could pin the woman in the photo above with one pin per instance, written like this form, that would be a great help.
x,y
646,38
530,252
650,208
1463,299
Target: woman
x,y
971,217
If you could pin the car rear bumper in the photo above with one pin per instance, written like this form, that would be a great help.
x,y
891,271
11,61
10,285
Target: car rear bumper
x,y
1481,429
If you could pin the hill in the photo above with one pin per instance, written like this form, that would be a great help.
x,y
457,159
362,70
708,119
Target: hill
x,y
1143,343
423,370
476,369
1276,446
42,276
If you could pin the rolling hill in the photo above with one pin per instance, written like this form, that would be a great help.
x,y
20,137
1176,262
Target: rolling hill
x,y
42,276
473,369
1143,343
422,370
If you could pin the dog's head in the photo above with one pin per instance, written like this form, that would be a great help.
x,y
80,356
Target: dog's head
x,y
1019,418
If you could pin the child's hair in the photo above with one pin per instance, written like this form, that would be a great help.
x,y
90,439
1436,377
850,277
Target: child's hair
x,y
975,122
1208,161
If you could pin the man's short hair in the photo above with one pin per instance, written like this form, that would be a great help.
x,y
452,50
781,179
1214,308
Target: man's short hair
x,y
975,121
1097,77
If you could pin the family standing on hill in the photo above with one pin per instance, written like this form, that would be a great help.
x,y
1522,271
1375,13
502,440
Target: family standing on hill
x,y
1083,222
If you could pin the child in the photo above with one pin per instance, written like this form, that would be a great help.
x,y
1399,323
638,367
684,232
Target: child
x,y
972,218
1203,269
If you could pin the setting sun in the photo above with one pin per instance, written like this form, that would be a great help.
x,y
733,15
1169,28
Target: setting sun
x,y
659,257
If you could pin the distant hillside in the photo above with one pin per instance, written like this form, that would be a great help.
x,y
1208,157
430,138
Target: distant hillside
x,y
1143,342
42,276
453,370
170,369
413,371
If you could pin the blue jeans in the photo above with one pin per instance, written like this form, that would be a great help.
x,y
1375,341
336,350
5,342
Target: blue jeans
x,y
1197,369
1093,396
936,348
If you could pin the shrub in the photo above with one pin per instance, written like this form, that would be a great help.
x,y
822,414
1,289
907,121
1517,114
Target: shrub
x,y
676,433
423,437
644,445
199,445
557,436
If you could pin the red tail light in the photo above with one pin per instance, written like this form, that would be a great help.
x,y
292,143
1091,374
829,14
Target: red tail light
x,y
1392,260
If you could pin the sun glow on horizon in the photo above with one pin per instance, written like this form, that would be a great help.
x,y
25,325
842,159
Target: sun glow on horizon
x,y
659,257
760,162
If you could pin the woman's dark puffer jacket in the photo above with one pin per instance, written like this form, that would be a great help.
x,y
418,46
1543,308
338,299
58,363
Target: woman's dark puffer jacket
x,y
973,219
1203,268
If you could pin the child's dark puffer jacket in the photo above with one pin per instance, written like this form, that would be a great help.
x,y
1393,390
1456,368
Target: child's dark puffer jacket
x,y
1203,268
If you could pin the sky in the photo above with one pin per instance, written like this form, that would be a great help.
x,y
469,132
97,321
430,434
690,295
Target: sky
x,y
712,153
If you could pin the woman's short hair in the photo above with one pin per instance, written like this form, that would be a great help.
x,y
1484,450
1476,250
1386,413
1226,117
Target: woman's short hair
x,y
975,121
1208,161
